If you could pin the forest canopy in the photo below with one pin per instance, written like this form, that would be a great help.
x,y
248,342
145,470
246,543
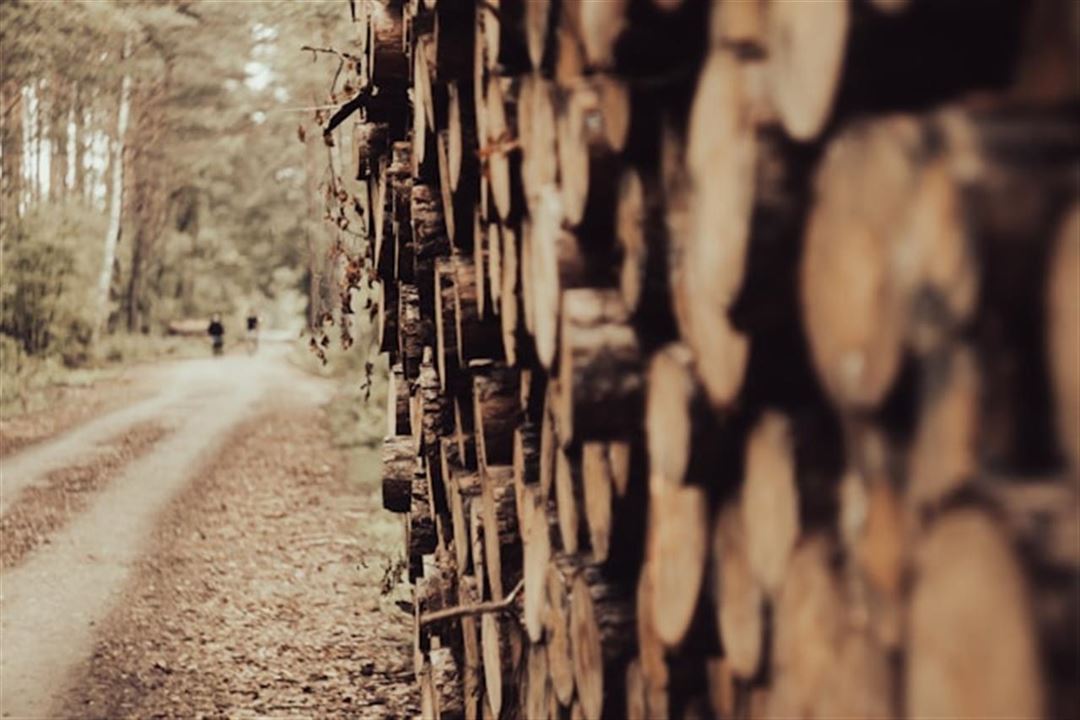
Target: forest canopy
x,y
156,167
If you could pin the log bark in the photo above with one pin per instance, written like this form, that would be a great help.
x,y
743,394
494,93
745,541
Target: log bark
x,y
600,374
397,396
387,327
399,462
422,536
412,330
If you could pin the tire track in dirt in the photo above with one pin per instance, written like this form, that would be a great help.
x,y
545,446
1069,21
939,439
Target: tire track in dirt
x,y
260,594
39,511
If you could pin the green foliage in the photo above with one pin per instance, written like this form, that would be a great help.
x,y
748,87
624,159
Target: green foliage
x,y
46,298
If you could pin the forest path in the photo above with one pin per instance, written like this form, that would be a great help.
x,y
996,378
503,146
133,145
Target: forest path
x,y
60,603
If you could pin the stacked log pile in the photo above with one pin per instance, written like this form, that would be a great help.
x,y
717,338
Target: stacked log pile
x,y
734,352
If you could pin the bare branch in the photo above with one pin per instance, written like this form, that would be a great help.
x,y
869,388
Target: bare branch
x,y
476,609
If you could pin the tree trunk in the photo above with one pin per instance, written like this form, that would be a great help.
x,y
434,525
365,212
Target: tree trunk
x,y
112,234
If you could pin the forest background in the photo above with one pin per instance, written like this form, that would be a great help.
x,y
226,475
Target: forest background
x,y
161,161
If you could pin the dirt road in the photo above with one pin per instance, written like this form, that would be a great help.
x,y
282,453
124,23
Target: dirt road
x,y
197,553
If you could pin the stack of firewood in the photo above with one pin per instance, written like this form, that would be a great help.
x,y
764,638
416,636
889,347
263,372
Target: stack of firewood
x,y
734,349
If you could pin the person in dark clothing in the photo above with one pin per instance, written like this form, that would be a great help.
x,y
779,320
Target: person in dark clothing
x,y
217,333
252,331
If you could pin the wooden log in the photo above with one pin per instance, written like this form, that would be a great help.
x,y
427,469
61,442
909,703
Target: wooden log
x,y
599,368
410,330
537,685
619,462
477,338
446,194
592,123
399,461
422,537
504,36
721,686
641,235
808,625
943,456
370,143
464,490
600,25
397,396
446,684
387,328
601,616
994,670
770,501
526,467
428,224
436,417
598,489
501,649
446,354
651,650
569,499
502,147
676,415
462,135
1063,334
549,442
454,38
897,245
501,539
677,553
557,631
539,16
737,597
470,632
537,133
480,265
489,266
511,315
536,549
495,411
861,684
556,264
806,44
720,161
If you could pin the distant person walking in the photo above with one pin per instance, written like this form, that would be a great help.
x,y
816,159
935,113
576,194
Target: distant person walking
x,y
252,332
217,333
